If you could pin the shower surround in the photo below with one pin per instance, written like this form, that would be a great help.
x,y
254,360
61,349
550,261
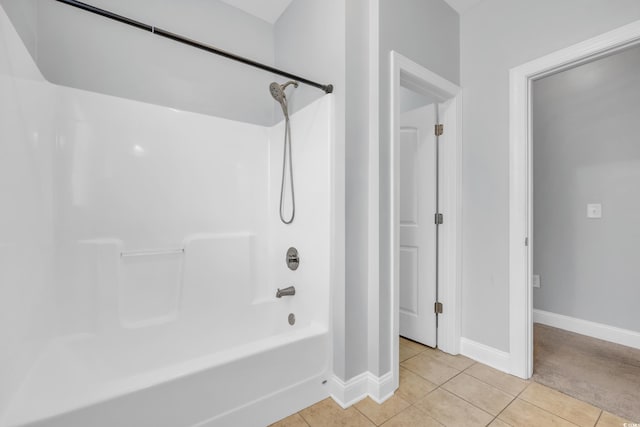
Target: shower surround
x,y
141,252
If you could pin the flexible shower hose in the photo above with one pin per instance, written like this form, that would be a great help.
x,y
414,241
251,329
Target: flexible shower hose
x,y
287,150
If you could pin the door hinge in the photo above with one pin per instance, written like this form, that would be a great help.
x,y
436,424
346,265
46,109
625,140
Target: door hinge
x,y
437,308
439,129
439,218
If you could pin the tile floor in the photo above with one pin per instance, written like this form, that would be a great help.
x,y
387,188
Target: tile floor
x,y
437,389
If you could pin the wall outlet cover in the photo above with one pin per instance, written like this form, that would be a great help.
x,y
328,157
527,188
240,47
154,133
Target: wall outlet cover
x,y
594,210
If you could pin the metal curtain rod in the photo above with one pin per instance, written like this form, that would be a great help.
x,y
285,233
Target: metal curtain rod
x,y
187,41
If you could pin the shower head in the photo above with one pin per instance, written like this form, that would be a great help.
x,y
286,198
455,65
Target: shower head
x,y
277,91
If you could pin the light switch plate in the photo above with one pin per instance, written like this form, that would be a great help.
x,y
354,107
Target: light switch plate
x,y
536,281
594,210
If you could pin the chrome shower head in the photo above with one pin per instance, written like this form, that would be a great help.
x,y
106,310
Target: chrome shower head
x,y
277,92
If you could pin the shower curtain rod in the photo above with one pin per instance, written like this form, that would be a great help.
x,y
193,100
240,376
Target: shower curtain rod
x,y
176,37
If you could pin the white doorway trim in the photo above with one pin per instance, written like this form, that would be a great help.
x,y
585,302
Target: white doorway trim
x,y
411,75
520,180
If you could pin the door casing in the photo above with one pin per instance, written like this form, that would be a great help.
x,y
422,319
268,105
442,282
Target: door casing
x,y
521,180
407,73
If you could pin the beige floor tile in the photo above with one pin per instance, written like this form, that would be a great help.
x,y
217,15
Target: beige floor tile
x,y
499,423
505,382
609,420
412,417
430,369
458,362
451,410
328,413
379,413
413,386
407,352
560,404
414,345
294,420
482,395
524,414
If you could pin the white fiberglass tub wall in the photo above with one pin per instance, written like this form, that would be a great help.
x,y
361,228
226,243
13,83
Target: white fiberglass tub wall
x,y
27,313
142,254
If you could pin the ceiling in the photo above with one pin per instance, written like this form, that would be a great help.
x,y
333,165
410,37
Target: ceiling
x,y
461,6
271,10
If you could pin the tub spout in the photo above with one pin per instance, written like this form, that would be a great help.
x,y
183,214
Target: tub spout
x,y
285,292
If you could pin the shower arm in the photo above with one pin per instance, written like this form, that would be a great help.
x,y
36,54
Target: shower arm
x,y
178,38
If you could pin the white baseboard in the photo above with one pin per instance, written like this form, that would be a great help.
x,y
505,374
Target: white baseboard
x,y
588,328
381,388
493,357
361,386
347,393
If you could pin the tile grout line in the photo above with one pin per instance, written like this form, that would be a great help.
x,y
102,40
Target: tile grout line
x,y
599,416
549,412
559,416
567,395
496,387
513,398
425,412
465,400
303,418
503,409
509,404
447,391
542,409
447,364
365,415
493,386
423,397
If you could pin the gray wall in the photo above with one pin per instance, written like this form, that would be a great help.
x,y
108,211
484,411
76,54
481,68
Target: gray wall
x,y
357,185
586,149
410,100
497,35
310,41
427,32
336,47
77,49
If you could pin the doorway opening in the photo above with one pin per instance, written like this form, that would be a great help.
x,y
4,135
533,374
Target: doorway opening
x,y
425,196
521,179
586,169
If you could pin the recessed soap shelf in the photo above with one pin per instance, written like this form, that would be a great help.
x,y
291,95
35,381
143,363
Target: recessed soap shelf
x,y
178,251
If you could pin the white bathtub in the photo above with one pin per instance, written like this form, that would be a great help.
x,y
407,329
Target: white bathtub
x,y
210,350
191,333
83,381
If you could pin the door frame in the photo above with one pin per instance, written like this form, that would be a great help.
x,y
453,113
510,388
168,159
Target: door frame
x,y
521,180
412,75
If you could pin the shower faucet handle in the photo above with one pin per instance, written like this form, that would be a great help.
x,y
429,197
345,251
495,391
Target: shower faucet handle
x,y
292,259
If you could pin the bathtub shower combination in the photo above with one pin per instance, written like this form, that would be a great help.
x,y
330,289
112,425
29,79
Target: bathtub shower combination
x,y
146,276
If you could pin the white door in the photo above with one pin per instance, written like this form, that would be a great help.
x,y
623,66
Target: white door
x,y
418,193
